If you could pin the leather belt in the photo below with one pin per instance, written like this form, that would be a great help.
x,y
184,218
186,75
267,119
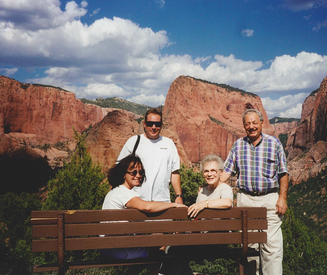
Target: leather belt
x,y
256,193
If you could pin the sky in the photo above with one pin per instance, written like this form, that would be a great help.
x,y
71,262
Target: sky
x,y
135,49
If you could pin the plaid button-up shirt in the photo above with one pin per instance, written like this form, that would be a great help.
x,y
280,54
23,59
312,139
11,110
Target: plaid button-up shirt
x,y
257,166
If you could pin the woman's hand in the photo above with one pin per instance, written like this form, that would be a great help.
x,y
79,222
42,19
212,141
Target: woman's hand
x,y
196,208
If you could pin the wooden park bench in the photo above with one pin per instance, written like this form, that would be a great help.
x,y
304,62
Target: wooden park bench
x,y
63,230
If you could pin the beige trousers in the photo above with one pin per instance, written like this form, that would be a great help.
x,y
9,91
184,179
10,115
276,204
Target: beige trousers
x,y
271,253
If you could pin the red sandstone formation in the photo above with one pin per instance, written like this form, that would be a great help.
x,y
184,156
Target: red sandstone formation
x,y
313,125
284,127
204,118
307,143
107,137
36,114
308,164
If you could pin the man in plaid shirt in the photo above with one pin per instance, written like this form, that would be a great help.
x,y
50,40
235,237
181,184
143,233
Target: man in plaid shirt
x,y
262,178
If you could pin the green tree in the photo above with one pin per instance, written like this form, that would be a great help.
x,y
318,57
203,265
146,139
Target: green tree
x,y
304,251
191,181
79,184
16,233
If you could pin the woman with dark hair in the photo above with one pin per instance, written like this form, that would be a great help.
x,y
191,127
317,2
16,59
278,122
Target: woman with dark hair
x,y
125,175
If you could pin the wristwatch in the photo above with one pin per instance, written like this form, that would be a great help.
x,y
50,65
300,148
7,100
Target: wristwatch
x,y
179,195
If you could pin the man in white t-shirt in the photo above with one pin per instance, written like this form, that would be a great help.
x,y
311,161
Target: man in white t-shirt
x,y
160,160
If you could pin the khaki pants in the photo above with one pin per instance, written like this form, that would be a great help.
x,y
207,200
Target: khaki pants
x,y
271,253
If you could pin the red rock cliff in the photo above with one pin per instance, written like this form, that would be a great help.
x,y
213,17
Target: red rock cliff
x,y
37,114
107,137
284,127
204,118
307,143
313,125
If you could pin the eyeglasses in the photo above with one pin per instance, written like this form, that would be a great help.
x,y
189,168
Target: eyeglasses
x,y
156,123
212,172
134,172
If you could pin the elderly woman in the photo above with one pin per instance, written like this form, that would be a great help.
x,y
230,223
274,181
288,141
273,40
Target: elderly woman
x,y
129,172
214,194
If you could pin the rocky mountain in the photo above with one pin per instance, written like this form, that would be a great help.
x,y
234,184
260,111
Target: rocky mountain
x,y
118,103
283,125
206,118
108,136
34,115
36,131
307,143
201,117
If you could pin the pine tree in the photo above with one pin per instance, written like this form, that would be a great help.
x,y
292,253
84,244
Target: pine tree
x,y
79,184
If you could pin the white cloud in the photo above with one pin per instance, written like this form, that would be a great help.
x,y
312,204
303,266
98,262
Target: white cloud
x,y
95,12
161,3
285,106
303,71
99,90
8,72
293,112
247,32
199,60
320,25
32,15
116,57
150,100
296,5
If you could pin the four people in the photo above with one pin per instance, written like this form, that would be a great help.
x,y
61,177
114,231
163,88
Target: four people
x,y
260,163
258,160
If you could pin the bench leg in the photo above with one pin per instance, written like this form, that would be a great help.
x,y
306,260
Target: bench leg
x,y
61,244
241,266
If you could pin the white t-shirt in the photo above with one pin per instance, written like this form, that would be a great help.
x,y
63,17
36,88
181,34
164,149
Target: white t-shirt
x,y
118,197
222,191
160,158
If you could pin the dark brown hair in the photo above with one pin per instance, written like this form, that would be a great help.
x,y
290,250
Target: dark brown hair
x,y
116,174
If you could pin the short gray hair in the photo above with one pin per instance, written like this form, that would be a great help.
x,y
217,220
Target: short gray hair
x,y
252,111
212,158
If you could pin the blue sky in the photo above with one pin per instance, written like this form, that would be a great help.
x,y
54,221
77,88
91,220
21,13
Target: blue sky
x,y
134,49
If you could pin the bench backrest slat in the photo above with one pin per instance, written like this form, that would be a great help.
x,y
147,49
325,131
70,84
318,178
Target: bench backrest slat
x,y
77,216
119,228
147,241
153,240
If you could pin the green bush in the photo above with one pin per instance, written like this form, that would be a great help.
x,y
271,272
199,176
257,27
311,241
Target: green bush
x,y
16,233
304,251
79,184
190,181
